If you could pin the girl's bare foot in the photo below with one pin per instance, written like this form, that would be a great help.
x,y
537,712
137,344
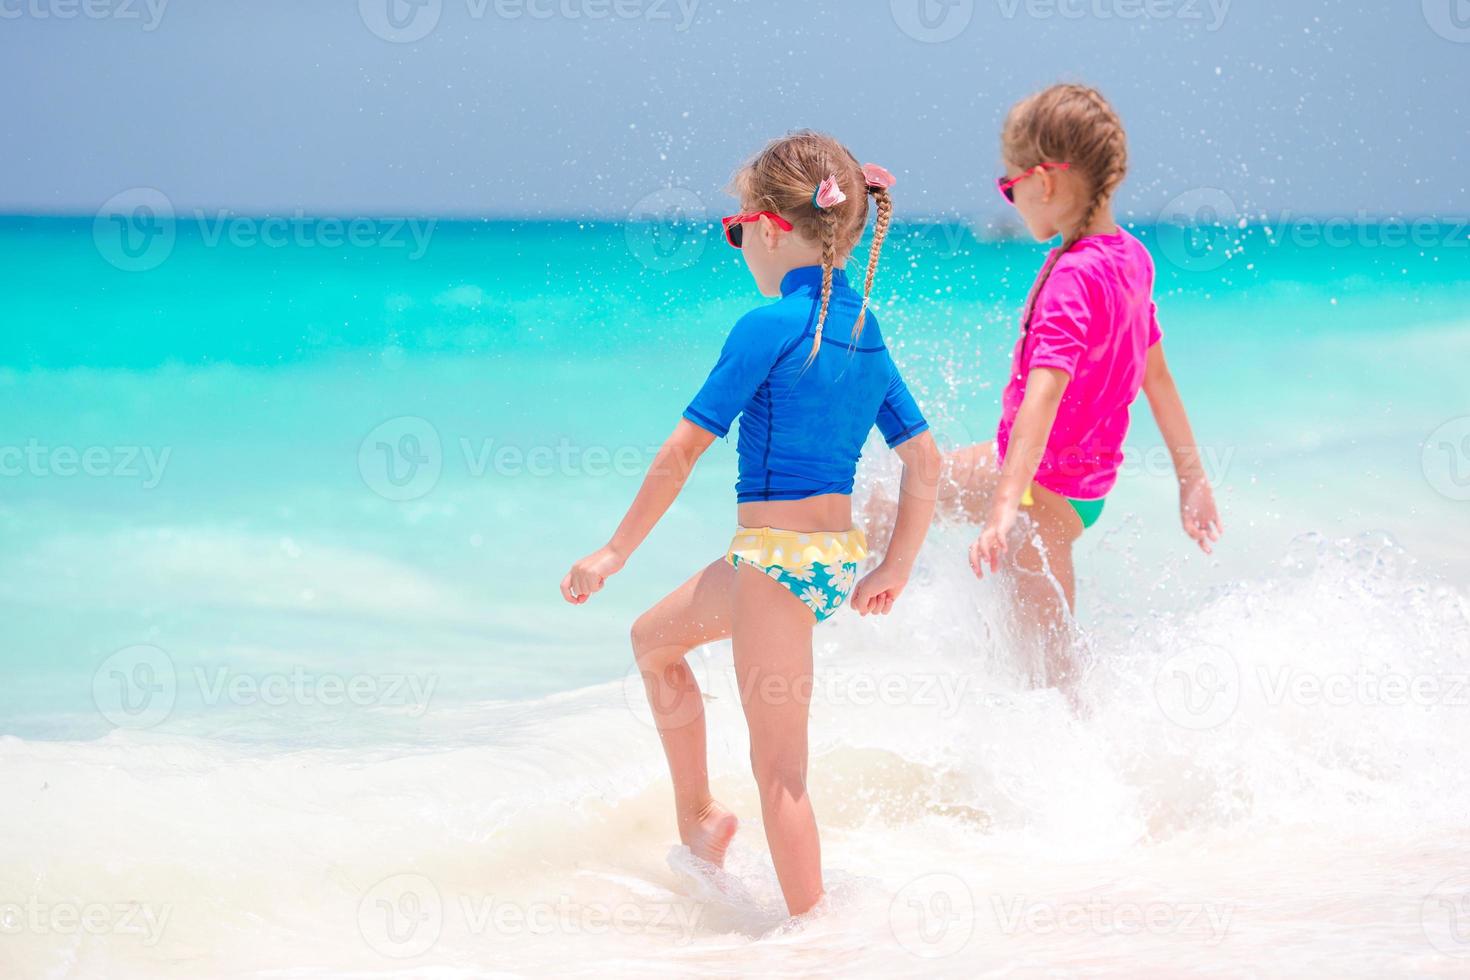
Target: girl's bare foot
x,y
709,833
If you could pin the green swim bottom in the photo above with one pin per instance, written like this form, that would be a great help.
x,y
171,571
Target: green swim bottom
x,y
1088,510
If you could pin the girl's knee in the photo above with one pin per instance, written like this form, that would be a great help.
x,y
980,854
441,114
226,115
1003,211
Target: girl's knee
x,y
779,769
644,636
652,648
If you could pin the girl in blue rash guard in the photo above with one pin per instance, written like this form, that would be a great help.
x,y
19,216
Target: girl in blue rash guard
x,y
809,376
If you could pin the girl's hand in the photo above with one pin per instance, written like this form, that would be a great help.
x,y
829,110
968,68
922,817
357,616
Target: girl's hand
x,y
991,544
588,575
1198,513
878,590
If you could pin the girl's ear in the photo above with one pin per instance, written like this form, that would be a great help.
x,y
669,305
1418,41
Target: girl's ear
x,y
770,234
1048,183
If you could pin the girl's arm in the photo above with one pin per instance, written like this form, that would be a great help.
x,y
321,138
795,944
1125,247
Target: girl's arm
x,y
918,493
666,476
1044,388
1197,509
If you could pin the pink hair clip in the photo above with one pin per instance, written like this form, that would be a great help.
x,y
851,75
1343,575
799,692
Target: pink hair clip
x,y
828,194
877,177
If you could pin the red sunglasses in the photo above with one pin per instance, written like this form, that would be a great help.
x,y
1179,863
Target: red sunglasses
x,y
735,225
1008,187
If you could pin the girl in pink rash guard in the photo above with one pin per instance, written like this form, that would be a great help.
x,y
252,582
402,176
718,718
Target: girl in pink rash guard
x,y
1089,341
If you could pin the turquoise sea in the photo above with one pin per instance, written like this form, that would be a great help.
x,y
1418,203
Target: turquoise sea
x,y
284,506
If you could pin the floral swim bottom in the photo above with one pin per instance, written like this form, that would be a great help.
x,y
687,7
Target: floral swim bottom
x,y
818,567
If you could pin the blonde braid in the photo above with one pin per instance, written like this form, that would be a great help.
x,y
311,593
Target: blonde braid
x,y
880,231
829,260
1075,124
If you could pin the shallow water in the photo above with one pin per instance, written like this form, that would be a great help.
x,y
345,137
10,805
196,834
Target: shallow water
x,y
285,702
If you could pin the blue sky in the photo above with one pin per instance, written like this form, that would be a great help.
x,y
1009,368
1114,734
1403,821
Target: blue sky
x,y
559,107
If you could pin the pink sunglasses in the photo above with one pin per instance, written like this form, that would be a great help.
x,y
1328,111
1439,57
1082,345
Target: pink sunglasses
x,y
735,225
1008,187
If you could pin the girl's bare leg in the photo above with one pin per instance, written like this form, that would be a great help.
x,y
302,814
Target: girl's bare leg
x,y
696,613
967,483
773,666
1046,590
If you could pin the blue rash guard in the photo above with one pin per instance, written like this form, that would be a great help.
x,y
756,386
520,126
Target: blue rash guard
x,y
804,425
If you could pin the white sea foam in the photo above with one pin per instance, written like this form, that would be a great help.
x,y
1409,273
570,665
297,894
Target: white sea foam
x,y
1271,779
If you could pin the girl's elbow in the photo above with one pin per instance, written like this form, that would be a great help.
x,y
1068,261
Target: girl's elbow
x,y
922,454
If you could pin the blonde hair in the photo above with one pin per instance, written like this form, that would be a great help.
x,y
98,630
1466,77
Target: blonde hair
x,y
1070,124
783,177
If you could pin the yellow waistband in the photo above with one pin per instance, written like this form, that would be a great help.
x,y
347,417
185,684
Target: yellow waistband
x,y
767,546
